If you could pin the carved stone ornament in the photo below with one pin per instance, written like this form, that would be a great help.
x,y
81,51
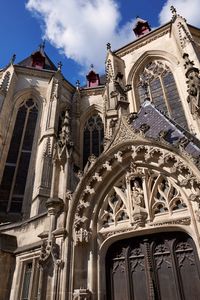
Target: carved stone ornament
x,y
82,236
174,13
179,221
50,249
55,93
5,82
193,84
127,201
68,195
185,36
120,91
131,117
125,132
64,144
81,294
109,71
162,192
195,197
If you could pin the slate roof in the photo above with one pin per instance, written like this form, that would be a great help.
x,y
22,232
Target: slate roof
x,y
49,65
156,122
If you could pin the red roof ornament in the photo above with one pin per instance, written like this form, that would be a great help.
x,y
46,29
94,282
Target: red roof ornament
x,y
93,79
38,60
141,28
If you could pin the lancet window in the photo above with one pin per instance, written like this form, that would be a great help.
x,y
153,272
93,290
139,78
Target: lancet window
x,y
93,137
14,178
156,82
29,279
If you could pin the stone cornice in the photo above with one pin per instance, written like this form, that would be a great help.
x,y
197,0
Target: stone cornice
x,y
92,91
4,227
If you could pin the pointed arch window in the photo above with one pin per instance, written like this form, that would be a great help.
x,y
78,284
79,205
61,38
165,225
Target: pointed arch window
x,y
158,81
93,137
12,187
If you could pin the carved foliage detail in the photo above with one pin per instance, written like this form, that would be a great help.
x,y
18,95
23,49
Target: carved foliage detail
x,y
5,82
139,195
193,84
165,197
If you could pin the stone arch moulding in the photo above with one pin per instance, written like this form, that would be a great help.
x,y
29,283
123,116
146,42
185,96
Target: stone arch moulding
x,y
149,55
24,94
108,169
94,108
18,98
129,158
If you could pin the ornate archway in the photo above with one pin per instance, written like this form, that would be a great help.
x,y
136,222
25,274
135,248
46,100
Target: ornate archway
x,y
134,188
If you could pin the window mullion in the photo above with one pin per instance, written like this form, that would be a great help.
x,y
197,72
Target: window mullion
x,y
149,92
165,96
99,140
17,162
91,141
31,286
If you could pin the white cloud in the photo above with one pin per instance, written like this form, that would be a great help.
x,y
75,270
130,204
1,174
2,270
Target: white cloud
x,y
82,28
189,9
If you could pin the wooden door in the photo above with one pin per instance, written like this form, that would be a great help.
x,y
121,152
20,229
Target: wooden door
x,y
161,266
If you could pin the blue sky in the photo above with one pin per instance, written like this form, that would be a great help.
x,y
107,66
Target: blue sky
x,y
76,31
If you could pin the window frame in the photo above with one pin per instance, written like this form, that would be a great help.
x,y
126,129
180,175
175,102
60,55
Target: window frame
x,y
94,114
18,279
28,191
169,70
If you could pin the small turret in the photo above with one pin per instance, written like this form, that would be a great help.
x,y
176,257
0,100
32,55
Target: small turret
x,y
141,27
93,79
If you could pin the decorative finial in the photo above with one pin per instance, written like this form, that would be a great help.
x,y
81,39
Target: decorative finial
x,y
77,84
12,60
108,46
173,10
42,46
59,65
92,66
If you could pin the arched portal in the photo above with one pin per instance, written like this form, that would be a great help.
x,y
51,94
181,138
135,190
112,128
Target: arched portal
x,y
158,266
134,189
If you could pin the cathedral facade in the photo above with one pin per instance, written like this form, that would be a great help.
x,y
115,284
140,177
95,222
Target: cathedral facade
x,y
100,185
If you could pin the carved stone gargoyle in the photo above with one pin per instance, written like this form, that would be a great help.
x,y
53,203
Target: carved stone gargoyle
x,y
50,249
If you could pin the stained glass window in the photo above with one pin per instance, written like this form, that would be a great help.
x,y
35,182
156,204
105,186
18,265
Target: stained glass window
x,y
93,137
157,80
14,178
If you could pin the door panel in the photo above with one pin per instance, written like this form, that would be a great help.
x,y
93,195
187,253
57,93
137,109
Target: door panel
x,y
119,280
187,269
163,270
160,266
